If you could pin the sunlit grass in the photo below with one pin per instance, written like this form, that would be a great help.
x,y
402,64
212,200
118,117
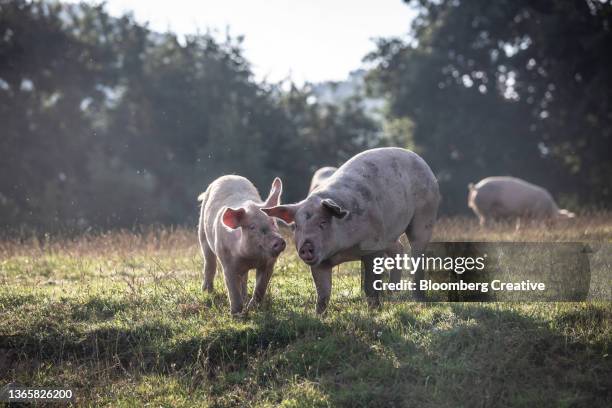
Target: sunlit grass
x,y
120,318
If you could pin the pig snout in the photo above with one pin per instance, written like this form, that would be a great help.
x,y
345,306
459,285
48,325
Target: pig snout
x,y
278,245
307,252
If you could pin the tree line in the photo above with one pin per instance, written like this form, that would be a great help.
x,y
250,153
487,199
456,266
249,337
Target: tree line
x,y
506,87
106,123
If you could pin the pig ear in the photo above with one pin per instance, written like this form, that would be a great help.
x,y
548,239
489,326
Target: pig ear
x,y
233,218
275,193
336,210
283,212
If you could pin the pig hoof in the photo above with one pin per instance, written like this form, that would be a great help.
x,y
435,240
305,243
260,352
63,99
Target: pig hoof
x,y
373,302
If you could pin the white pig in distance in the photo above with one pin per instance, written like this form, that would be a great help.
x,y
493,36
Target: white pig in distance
x,y
320,176
510,198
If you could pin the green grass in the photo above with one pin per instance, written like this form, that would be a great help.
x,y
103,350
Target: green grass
x,y
121,319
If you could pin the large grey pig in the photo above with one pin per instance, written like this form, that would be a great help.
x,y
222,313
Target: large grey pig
x,y
362,209
235,230
496,198
320,176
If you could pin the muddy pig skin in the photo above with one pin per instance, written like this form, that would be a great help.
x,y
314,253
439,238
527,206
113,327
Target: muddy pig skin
x,y
235,231
363,209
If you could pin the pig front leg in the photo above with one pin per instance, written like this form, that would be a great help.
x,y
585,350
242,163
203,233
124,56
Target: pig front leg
x,y
368,278
244,292
321,276
234,282
262,279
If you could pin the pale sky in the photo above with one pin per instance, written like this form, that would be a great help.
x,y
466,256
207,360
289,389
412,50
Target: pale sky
x,y
308,40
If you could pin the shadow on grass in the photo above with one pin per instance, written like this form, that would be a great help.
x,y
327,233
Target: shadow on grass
x,y
152,347
426,355
466,355
504,358
100,309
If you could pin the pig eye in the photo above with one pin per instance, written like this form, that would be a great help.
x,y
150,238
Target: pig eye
x,y
323,224
252,227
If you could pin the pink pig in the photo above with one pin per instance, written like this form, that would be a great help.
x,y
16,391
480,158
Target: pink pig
x,y
235,230
363,208
320,176
495,198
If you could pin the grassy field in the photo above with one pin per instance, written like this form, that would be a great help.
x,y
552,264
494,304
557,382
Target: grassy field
x,y
121,319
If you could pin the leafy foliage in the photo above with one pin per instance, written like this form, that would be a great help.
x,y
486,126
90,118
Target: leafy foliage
x,y
106,123
506,87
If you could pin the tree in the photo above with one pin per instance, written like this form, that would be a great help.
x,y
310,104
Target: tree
x,y
506,87
106,123
46,75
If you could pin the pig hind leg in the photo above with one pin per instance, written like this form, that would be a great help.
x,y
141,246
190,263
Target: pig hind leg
x,y
482,219
419,234
210,261
420,230
395,275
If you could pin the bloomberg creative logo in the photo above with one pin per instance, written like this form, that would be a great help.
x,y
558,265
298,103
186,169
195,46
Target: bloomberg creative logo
x,y
494,271
458,265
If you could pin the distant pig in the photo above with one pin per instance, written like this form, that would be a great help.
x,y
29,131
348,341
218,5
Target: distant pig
x,y
320,176
498,198
235,230
362,209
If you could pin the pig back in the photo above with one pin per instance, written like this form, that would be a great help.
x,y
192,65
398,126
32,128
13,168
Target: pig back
x,y
382,189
